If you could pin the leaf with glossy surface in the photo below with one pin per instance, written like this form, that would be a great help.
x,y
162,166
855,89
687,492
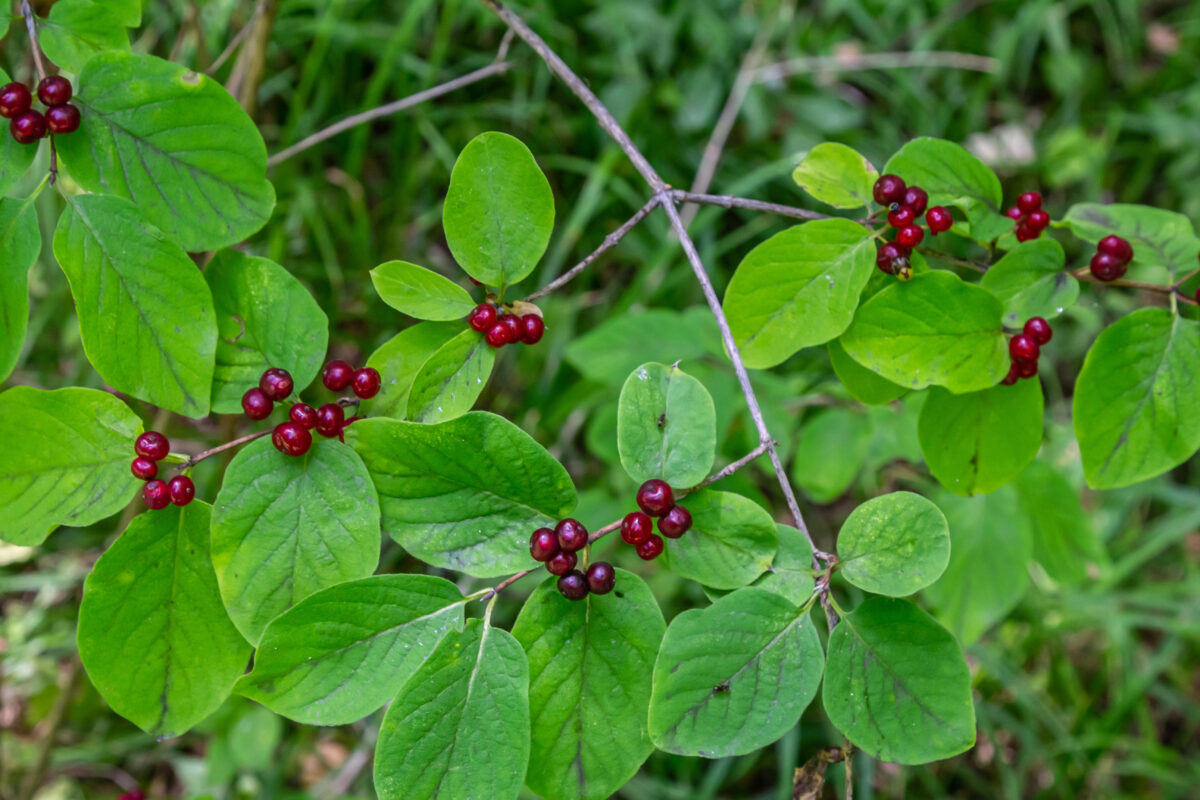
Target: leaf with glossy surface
x,y
463,494
15,158
589,668
894,545
731,542
399,361
952,176
22,243
614,348
830,453
76,30
450,382
153,635
420,292
666,426
836,174
1031,280
1064,542
864,385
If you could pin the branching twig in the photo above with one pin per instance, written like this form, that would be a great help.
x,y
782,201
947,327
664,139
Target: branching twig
x,y
728,470
730,201
221,448
853,62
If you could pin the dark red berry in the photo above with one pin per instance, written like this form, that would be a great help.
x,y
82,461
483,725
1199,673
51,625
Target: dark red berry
x,y
1038,329
291,439
1029,202
330,420
28,127
887,256
303,415
561,563
573,585
532,328
1011,377
651,548
152,445
655,497
1025,367
181,489
1106,267
1025,232
366,382
143,468
15,100
63,119
497,335
337,375
513,323
636,527
256,404
136,794
156,495
939,219
1014,213
910,236
889,189
482,317
1023,346
543,544
601,577
675,523
1038,220
901,217
54,90
276,383
572,535
1115,246
916,198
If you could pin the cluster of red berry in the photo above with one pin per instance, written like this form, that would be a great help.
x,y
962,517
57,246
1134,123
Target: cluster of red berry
x,y
1112,258
905,206
557,550
1024,349
1028,217
292,437
501,328
152,447
28,125
655,499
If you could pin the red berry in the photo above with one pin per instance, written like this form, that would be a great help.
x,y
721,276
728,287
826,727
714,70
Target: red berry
x,y
636,527
1038,220
1025,367
543,544
330,420
1029,202
1014,213
889,189
675,523
1025,232
276,383
54,90
1011,377
291,439
181,489
910,236
156,495
561,563
143,468
573,585
513,322
1106,267
256,404
1023,346
366,382
28,127
1115,246
572,535
337,375
651,548
136,794
497,335
152,445
63,119
655,497
939,219
482,317
1038,329
887,256
601,577
916,198
901,217
303,415
15,100
532,328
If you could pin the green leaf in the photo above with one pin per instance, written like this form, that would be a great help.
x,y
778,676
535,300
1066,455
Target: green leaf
x,y
175,143
15,158
128,11
1063,540
932,330
1032,281
460,727
797,289
342,653
614,348
666,426
499,210
731,542
145,313
400,360
76,30
836,174
68,460
265,318
22,244
953,177
153,636
1159,238
830,453
463,494
735,676
420,292
791,572
990,547
589,668
864,385
897,684
975,443
895,544
450,382
1135,399
285,527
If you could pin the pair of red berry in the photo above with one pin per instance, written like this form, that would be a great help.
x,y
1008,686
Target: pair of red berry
x,y
499,329
557,550
152,447
655,499
1028,217
1024,349
1112,258
28,125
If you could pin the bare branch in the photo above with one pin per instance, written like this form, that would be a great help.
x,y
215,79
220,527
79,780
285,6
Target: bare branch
x,y
221,448
728,470
856,62
730,201
27,12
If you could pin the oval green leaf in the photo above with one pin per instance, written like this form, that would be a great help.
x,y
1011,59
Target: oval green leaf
x,y
895,544
836,174
1031,281
22,243
731,542
832,449
420,292
1064,542
666,426
451,380
399,360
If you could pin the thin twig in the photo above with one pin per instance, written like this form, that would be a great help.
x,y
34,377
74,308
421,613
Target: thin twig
x,y
854,62
221,448
728,470
33,41
240,37
1085,275
731,201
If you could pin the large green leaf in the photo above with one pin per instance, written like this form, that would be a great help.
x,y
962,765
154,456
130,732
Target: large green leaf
x,y
145,313
897,685
731,542
420,292
175,143
1135,399
614,348
1031,280
399,360
830,453
153,635
791,572
797,289
76,30
735,676
590,664
666,426
66,462
15,158
463,494
340,654
1064,542
864,385
285,527
266,318
952,176
499,210
932,330
1159,238
895,544
836,174
22,243
460,726
975,443
450,381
